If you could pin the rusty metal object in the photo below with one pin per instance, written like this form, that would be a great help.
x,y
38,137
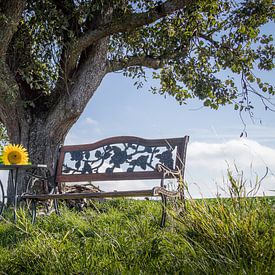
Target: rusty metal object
x,y
2,197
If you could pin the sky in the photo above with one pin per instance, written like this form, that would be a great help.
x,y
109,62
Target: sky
x,y
215,146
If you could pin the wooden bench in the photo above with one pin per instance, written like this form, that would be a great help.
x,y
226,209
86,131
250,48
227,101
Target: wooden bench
x,y
118,159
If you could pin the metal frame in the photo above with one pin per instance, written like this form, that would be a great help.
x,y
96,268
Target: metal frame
x,y
180,143
14,169
161,172
2,201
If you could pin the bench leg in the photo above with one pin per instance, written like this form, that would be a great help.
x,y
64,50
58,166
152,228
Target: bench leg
x,y
55,205
33,210
2,198
55,201
164,213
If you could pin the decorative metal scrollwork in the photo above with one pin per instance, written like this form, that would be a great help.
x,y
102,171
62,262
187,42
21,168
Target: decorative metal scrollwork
x,y
125,157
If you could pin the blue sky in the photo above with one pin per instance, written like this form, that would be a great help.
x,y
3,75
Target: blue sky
x,y
118,108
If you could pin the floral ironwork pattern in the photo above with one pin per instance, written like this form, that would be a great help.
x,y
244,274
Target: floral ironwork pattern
x,y
126,157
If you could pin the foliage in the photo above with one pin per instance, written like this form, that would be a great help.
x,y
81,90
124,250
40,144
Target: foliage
x,y
219,236
3,136
193,45
208,38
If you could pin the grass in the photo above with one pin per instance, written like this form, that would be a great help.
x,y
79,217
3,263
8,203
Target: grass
x,y
218,236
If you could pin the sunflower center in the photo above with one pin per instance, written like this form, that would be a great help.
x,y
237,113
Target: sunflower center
x,y
14,157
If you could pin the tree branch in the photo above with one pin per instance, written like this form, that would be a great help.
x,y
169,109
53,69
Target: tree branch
x,y
132,21
11,12
209,39
215,43
8,86
145,60
128,23
69,106
132,61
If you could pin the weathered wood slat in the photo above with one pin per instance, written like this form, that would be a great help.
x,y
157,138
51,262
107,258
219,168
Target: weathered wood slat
x,y
73,196
121,139
140,175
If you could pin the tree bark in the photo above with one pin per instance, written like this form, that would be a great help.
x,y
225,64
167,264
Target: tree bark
x,y
42,148
42,133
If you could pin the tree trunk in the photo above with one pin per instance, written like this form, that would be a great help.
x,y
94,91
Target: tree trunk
x,y
42,130
42,146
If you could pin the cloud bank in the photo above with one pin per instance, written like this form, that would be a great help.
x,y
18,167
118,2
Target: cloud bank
x,y
207,165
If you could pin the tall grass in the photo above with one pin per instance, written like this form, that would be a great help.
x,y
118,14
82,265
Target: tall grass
x,y
218,236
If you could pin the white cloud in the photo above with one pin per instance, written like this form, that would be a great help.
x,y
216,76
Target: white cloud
x,y
80,138
87,131
90,121
93,124
243,151
207,164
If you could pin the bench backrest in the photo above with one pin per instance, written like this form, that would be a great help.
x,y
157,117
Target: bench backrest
x,y
121,158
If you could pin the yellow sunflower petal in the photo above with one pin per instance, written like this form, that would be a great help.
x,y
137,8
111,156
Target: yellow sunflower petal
x,y
15,154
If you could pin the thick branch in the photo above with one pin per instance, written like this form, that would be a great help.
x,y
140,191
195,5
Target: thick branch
x,y
125,24
132,61
146,61
8,87
70,105
132,21
10,13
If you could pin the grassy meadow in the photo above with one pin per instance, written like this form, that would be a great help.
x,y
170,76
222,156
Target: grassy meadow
x,y
218,236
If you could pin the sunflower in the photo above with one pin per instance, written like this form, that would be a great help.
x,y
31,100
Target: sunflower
x,y
14,154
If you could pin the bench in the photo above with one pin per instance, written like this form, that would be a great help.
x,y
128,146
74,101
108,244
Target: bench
x,y
119,159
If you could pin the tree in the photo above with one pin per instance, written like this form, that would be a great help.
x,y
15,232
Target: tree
x,y
3,136
55,53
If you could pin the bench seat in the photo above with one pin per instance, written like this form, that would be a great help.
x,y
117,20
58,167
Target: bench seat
x,y
156,191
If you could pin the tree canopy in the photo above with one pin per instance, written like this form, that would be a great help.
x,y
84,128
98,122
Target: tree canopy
x,y
189,41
